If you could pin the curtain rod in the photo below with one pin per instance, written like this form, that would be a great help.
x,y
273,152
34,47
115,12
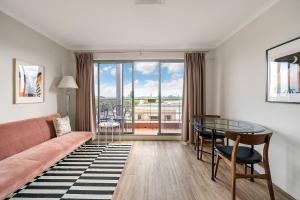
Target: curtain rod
x,y
146,51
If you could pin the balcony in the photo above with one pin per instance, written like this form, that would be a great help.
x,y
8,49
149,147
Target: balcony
x,y
141,115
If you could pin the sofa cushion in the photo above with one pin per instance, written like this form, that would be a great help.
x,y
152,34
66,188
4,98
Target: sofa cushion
x,y
16,172
51,151
24,134
47,127
22,167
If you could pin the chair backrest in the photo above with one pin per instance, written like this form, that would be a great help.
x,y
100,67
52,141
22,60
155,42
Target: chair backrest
x,y
249,139
103,111
117,111
125,110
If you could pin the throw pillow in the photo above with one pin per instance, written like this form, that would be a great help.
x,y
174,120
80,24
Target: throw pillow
x,y
62,126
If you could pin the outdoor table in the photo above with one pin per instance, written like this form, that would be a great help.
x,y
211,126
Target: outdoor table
x,y
107,125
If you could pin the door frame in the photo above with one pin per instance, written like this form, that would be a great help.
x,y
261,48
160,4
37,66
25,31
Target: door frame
x,y
160,61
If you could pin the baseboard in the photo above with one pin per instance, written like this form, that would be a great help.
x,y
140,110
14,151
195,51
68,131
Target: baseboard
x,y
141,138
283,192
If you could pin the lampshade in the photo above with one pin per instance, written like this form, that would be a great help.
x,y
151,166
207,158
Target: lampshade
x,y
68,82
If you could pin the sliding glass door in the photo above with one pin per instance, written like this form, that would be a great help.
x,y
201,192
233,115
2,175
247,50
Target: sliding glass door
x,y
144,96
146,101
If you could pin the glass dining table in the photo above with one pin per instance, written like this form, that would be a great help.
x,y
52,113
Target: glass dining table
x,y
224,125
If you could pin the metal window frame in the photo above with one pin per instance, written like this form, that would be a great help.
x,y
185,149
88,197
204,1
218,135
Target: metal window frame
x,y
159,98
98,102
132,98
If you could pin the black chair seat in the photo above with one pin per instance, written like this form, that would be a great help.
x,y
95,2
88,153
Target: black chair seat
x,y
245,155
207,134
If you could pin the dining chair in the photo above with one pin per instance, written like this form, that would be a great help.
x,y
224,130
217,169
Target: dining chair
x,y
204,135
244,155
119,114
103,115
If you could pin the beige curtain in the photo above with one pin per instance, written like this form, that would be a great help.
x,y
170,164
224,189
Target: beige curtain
x,y
193,92
85,96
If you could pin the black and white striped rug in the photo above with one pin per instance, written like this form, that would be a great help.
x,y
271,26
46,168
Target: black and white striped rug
x,y
90,172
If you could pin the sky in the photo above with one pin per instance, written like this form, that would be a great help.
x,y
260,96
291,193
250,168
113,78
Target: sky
x,y
145,79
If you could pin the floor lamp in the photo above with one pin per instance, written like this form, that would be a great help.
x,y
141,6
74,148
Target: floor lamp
x,y
68,83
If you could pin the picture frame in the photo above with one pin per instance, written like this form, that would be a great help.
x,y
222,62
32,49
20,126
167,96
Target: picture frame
x,y
283,72
29,82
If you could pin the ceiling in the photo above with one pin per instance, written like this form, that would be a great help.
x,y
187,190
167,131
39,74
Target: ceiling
x,y
125,25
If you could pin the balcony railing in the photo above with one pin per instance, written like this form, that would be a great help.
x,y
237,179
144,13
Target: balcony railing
x,y
146,113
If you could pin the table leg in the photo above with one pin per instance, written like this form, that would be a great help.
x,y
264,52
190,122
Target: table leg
x,y
197,144
213,154
106,135
252,165
119,132
112,134
97,134
252,172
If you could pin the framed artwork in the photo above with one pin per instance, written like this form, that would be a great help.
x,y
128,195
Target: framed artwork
x,y
29,82
283,72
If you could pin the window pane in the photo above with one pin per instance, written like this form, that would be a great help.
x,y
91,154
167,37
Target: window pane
x,y
171,97
146,78
108,85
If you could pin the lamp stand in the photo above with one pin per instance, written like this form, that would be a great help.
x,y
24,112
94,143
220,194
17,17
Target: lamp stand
x,y
68,92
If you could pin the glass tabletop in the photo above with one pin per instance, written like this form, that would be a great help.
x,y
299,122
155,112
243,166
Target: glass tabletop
x,y
221,124
109,124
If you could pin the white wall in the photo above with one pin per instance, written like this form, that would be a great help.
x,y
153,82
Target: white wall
x,y
240,92
21,42
68,69
138,55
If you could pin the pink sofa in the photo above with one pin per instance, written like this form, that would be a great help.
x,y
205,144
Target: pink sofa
x,y
29,147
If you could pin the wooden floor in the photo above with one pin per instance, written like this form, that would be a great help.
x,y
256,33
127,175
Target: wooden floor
x,y
170,171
